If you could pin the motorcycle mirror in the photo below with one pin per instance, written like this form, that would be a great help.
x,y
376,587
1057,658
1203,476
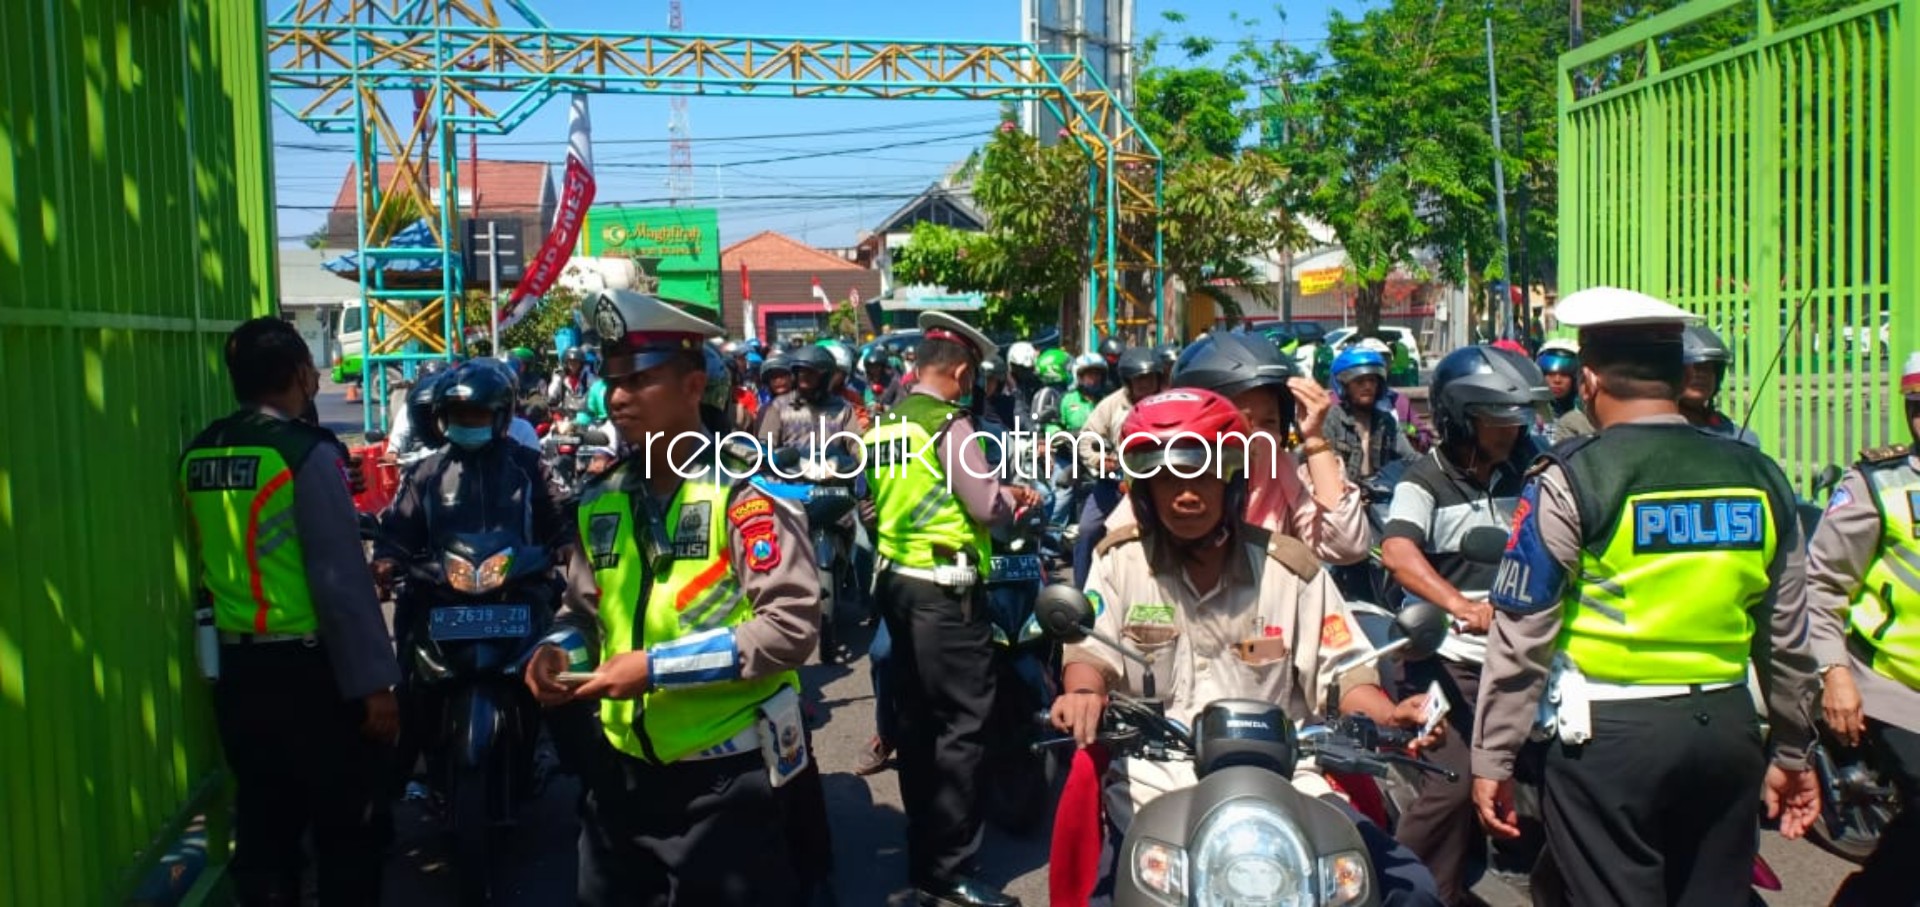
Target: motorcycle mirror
x,y
1484,545
786,458
1063,612
377,436
1826,478
1425,627
596,438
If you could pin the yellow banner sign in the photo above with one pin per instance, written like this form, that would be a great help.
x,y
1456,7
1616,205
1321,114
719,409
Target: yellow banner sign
x,y
1320,280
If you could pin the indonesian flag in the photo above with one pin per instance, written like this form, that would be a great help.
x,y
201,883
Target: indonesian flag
x,y
746,287
576,195
821,294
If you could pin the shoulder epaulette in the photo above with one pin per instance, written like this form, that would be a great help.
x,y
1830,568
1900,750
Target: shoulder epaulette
x,y
1890,454
1118,537
1285,550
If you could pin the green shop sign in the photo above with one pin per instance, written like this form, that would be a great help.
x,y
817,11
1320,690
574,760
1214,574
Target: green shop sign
x,y
684,241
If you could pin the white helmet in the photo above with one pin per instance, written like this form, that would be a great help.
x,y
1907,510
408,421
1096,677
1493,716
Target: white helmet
x,y
1564,346
1090,361
1022,355
1377,345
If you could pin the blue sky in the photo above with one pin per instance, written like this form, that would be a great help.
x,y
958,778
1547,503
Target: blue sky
x,y
878,153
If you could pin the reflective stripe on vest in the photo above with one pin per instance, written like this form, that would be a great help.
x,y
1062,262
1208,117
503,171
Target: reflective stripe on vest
x,y
252,563
916,513
698,592
1885,612
1667,599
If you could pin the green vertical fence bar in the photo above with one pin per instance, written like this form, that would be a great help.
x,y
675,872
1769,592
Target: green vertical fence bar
x,y
136,228
1773,179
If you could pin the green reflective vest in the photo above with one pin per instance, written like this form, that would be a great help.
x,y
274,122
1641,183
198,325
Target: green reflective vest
x,y
919,518
1679,531
1885,612
237,477
697,592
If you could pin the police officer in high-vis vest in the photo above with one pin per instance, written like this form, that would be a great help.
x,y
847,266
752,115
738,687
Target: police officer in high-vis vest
x,y
305,671
1649,565
692,605
935,495
1863,589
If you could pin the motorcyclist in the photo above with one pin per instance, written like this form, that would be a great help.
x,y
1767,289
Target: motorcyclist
x,y
1090,385
568,389
1098,448
1707,359
416,433
1484,400
1303,494
1184,587
1022,358
775,378
845,384
1559,360
809,416
1051,374
1363,429
1166,355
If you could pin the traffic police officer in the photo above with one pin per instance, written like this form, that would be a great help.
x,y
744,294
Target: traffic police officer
x,y
1647,565
1863,595
935,496
696,596
304,691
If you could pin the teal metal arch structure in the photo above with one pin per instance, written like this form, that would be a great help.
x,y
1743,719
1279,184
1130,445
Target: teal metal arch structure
x,y
334,64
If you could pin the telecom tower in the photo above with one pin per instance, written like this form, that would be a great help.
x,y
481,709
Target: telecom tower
x,y
680,149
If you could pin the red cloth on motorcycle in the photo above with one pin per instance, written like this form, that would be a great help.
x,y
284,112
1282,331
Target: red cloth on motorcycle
x,y
1074,863
1364,794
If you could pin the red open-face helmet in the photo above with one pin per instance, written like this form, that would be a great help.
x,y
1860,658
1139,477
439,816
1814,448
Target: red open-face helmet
x,y
1186,429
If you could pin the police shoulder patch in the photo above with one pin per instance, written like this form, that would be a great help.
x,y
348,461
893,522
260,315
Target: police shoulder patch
x,y
1885,454
745,511
762,545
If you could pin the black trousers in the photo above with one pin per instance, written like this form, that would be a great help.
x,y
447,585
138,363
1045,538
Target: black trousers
x,y
1442,826
299,764
1888,876
711,833
943,687
1660,807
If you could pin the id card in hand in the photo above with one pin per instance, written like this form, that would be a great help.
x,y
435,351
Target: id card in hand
x,y
1436,710
783,736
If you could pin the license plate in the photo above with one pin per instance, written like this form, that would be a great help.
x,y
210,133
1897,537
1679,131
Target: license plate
x,y
831,491
452,623
1014,568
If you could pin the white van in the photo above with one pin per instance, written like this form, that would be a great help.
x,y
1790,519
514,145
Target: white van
x,y
348,342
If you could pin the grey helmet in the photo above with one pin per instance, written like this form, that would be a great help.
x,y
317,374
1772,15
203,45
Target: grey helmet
x,y
1699,344
1232,364
1486,383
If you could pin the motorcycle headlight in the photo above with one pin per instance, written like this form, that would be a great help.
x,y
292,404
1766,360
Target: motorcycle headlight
x,y
1249,855
1031,630
463,576
1160,870
1343,878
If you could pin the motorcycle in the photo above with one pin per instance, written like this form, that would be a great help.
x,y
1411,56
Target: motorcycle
x,y
1016,782
1856,801
1243,834
569,457
828,494
476,609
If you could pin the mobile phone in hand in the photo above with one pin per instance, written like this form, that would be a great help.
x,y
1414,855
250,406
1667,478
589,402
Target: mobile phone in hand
x,y
1437,708
572,678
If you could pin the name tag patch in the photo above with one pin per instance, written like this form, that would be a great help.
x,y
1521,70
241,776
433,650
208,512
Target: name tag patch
x,y
1717,523
691,536
603,533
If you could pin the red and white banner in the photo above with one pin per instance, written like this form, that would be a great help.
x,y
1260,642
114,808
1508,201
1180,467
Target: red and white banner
x,y
746,287
576,195
820,293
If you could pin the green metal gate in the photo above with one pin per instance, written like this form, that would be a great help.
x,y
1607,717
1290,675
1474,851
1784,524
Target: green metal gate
x,y
1765,173
136,228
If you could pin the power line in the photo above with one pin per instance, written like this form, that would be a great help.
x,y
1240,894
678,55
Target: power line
x,y
896,127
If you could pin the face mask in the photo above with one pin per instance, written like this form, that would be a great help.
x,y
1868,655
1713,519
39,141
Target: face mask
x,y
469,437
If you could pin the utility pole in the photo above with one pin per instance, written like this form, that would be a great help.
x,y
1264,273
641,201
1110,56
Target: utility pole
x,y
1504,313
493,287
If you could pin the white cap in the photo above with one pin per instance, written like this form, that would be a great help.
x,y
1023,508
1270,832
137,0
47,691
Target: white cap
x,y
1612,306
1910,378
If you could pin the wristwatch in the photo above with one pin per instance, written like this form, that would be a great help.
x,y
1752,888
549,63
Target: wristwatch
x,y
1825,668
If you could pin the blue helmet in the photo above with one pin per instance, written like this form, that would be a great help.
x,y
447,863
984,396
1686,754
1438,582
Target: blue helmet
x,y
1356,362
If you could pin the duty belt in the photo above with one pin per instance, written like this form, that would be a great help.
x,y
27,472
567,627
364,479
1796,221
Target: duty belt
x,y
951,577
232,638
747,741
1600,691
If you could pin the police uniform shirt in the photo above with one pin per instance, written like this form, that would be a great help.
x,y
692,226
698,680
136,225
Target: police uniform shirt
x,y
1143,597
1846,542
776,572
1520,648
